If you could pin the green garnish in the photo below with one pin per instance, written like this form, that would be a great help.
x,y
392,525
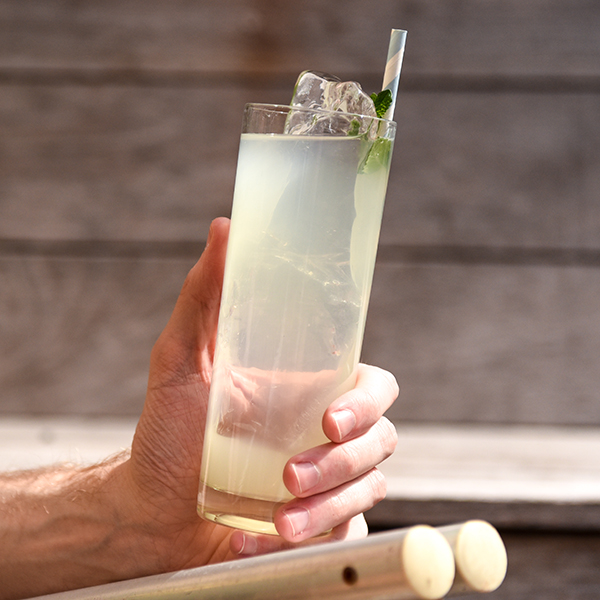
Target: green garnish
x,y
378,156
354,127
382,102
378,152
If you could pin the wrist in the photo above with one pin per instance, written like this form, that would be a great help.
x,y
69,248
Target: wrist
x,y
134,546
68,527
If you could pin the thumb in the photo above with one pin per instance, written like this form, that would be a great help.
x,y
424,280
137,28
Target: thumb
x,y
191,331
201,292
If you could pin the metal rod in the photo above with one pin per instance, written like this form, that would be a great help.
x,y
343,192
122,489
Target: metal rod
x,y
404,564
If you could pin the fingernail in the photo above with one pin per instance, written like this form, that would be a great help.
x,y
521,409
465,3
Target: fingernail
x,y
298,519
307,475
345,421
249,545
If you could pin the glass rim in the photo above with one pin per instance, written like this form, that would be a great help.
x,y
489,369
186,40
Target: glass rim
x,y
286,108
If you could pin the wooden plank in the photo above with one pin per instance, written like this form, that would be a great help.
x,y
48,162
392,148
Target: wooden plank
x,y
504,515
77,334
512,476
465,37
495,170
554,465
116,162
122,162
543,564
30,443
499,344
467,343
550,566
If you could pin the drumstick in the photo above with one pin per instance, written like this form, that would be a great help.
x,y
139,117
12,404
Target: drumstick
x,y
409,564
480,556
415,563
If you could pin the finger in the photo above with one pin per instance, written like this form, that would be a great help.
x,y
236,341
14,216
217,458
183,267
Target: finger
x,y
331,465
243,543
303,518
357,410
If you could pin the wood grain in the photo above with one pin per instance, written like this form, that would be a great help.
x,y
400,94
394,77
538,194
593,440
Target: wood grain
x,y
515,477
463,37
77,334
467,343
119,125
549,566
481,343
119,129
499,170
501,463
495,170
115,163
512,476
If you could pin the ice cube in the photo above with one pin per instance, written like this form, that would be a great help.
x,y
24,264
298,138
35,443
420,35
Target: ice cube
x,y
325,92
311,89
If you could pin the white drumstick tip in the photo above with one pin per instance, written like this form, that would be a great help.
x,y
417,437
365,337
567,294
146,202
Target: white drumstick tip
x,y
428,562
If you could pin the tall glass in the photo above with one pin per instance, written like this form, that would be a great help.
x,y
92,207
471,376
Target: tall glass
x,y
304,231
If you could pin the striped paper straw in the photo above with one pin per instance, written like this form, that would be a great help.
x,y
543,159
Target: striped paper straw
x,y
391,76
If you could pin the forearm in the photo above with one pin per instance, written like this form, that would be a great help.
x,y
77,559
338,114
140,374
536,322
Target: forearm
x,y
61,528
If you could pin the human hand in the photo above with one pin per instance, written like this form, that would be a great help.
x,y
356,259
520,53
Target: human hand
x,y
334,483
271,404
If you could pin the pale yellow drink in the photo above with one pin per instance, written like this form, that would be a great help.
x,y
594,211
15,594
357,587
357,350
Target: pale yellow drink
x,y
305,225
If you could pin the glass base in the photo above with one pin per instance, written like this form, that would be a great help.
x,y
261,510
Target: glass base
x,y
238,511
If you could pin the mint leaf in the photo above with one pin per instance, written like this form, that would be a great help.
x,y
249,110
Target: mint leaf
x,y
382,102
378,156
354,127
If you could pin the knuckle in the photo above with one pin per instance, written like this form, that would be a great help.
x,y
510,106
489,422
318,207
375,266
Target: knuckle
x,y
389,436
338,508
378,485
384,394
366,399
353,459
392,383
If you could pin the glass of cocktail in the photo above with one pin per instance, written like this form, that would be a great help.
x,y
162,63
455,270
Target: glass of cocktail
x,y
307,209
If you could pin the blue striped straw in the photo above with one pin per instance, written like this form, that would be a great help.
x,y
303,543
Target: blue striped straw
x,y
391,76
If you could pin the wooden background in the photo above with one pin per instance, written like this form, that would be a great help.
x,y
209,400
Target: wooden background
x,y
119,125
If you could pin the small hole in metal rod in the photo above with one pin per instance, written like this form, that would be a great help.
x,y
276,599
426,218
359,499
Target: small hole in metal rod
x,y
349,575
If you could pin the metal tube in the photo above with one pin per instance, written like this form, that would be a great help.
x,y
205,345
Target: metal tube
x,y
403,564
